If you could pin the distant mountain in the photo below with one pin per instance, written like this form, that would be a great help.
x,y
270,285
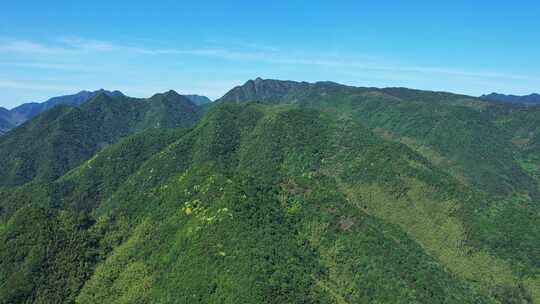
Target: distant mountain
x,y
525,99
16,116
61,138
3,112
198,99
27,111
265,90
5,120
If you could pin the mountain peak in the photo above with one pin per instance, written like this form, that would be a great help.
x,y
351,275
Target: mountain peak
x,y
266,90
172,93
27,111
100,93
114,93
193,99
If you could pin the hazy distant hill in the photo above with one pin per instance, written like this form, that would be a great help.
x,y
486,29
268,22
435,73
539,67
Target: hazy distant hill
x,y
14,117
526,99
198,99
26,111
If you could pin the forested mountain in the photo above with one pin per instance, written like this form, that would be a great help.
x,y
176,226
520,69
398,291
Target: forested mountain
x,y
16,116
526,99
283,192
29,110
468,137
57,140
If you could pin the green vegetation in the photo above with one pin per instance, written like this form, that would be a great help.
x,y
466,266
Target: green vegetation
x,y
318,193
462,134
62,138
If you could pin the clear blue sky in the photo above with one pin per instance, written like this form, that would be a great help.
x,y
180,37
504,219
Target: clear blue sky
x,y
49,48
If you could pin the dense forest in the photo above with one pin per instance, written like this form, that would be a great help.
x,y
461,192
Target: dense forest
x,y
279,192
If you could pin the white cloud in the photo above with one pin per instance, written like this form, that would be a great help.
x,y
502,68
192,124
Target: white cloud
x,y
33,86
245,45
25,47
88,45
51,66
66,54
371,66
261,53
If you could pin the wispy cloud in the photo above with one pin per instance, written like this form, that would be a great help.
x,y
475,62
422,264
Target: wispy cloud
x,y
87,45
374,66
33,86
51,66
25,47
75,48
240,51
245,45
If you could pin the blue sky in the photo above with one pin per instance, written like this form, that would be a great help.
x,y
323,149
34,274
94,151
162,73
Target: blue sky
x,y
49,48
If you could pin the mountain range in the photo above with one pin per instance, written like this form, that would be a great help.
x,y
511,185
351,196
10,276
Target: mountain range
x,y
18,115
57,140
526,99
278,192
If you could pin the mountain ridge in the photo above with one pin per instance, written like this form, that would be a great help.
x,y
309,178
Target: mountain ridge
x,y
10,119
29,110
37,148
533,98
275,90
26,111
414,116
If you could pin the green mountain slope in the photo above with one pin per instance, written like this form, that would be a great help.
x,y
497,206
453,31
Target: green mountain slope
x,y
54,142
9,119
265,204
27,111
459,133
